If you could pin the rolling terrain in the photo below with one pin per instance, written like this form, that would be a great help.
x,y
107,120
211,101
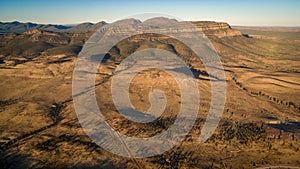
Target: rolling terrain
x,y
260,126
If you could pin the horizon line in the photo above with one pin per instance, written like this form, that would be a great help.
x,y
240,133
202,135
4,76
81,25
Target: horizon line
x,y
68,24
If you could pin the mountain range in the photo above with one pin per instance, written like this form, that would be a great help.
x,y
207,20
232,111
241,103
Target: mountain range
x,y
19,27
31,39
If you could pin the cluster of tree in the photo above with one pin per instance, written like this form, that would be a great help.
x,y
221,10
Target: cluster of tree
x,y
4,103
271,98
176,158
9,143
244,133
54,112
52,143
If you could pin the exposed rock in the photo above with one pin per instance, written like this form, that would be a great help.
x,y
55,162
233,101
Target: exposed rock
x,y
218,29
210,25
33,31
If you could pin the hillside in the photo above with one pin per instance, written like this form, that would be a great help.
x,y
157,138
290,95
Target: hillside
x,y
18,27
36,43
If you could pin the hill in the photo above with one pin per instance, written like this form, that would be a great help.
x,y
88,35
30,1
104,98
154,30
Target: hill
x,y
34,43
32,40
18,27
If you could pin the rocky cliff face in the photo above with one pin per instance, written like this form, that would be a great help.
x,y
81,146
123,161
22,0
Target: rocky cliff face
x,y
210,25
218,29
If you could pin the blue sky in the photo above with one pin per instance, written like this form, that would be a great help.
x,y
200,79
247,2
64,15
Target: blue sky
x,y
235,12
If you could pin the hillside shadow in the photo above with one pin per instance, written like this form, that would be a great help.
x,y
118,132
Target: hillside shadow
x,y
289,127
137,115
14,160
59,61
105,164
246,35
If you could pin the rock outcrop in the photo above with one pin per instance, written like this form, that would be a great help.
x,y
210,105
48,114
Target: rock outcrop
x,y
218,29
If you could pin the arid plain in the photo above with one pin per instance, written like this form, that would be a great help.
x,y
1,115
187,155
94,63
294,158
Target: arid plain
x,y
260,125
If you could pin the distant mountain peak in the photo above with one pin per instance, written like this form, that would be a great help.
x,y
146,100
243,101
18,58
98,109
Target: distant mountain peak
x,y
15,22
128,21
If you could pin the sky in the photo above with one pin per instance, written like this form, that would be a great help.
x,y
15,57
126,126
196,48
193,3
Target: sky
x,y
235,12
